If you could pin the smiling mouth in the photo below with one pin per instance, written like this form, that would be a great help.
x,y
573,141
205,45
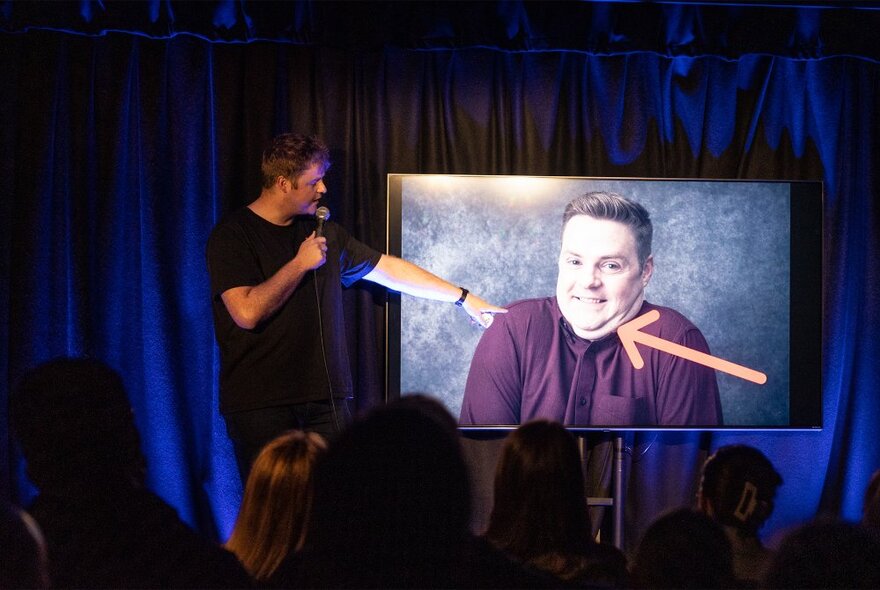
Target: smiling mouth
x,y
589,299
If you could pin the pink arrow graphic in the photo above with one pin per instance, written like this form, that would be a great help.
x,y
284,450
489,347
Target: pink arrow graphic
x,y
630,333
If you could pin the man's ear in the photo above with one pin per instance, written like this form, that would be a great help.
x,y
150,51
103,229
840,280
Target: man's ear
x,y
285,184
647,270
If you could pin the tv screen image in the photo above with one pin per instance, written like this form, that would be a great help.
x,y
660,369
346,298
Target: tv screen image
x,y
740,259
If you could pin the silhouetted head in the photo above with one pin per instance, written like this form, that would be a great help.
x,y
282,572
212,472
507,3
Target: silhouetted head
x,y
392,502
540,505
683,549
74,423
430,407
827,555
738,487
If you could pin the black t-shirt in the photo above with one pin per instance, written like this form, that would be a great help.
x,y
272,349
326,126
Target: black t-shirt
x,y
282,360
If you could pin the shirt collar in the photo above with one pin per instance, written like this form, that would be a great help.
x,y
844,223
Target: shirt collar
x,y
582,343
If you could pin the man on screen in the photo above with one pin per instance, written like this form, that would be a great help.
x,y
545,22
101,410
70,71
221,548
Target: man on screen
x,y
560,357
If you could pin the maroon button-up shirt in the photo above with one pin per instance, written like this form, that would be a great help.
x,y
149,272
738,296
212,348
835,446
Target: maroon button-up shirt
x,y
529,364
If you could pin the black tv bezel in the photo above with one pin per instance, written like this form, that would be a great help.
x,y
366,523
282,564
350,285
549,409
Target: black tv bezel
x,y
806,412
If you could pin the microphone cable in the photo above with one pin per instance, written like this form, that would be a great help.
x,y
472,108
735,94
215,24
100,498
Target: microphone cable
x,y
324,351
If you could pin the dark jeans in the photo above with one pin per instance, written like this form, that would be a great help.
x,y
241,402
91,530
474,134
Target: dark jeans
x,y
251,430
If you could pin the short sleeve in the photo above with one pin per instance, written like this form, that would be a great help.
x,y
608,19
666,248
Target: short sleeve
x,y
356,259
231,262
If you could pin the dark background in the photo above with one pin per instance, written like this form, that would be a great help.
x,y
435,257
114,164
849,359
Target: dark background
x,y
129,128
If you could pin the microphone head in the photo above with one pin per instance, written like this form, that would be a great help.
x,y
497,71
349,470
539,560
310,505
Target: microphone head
x,y
323,214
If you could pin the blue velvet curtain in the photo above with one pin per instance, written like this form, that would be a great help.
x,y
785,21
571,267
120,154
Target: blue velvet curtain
x,y
127,132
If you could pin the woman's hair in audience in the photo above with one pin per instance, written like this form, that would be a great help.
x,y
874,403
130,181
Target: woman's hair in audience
x,y
540,514
278,496
739,485
827,554
683,549
24,562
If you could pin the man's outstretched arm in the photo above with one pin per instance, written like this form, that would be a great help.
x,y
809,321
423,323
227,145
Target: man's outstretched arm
x,y
400,275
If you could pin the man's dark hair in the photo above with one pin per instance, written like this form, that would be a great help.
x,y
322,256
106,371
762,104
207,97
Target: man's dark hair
x,y
614,207
291,154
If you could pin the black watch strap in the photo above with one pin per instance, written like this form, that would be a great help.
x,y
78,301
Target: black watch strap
x,y
464,294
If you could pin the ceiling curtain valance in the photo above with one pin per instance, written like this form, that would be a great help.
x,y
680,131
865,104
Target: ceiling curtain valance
x,y
804,31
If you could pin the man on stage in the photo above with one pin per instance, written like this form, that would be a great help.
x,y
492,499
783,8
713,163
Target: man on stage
x,y
277,274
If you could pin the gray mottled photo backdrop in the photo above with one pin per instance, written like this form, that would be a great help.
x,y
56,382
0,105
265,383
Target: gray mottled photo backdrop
x,y
721,257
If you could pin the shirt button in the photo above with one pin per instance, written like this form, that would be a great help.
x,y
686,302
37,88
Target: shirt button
x,y
583,401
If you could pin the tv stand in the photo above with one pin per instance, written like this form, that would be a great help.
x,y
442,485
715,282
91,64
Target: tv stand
x,y
617,500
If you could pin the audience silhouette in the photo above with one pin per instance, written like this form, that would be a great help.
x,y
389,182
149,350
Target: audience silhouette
x,y
683,549
871,504
386,505
391,505
277,501
103,528
392,509
737,489
540,514
827,554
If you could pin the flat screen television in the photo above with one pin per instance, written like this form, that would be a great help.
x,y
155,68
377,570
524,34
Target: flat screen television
x,y
741,259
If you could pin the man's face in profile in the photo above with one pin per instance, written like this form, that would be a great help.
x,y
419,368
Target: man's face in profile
x,y
308,189
601,284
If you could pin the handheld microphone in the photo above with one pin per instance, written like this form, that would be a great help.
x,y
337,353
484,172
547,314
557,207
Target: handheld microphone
x,y
322,215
